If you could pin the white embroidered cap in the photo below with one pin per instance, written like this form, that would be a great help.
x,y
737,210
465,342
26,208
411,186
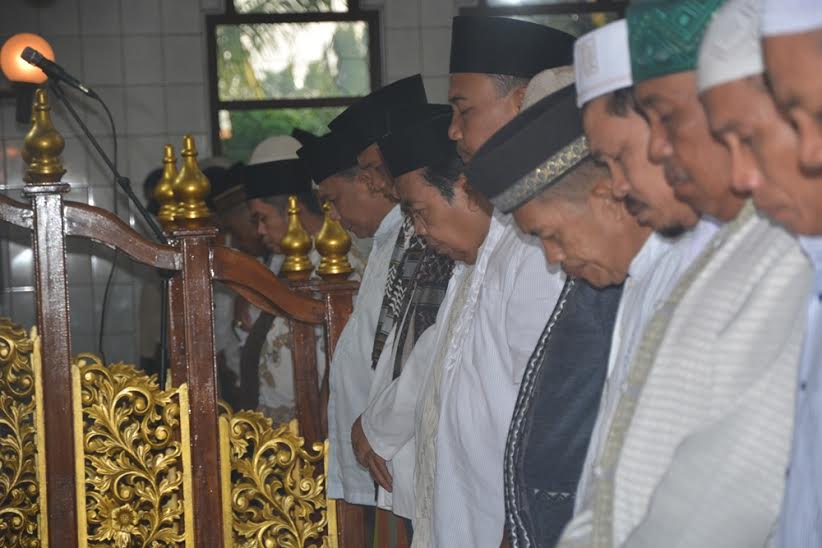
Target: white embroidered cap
x,y
547,82
731,48
602,61
790,16
278,147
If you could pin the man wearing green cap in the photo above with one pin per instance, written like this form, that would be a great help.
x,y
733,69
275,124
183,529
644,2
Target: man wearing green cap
x,y
689,418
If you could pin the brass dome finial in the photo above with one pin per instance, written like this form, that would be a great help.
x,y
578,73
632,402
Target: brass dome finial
x,y
333,243
164,191
295,245
190,189
43,144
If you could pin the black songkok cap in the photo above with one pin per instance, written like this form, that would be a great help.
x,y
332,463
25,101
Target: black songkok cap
x,y
278,178
498,45
328,155
421,144
369,118
228,191
530,153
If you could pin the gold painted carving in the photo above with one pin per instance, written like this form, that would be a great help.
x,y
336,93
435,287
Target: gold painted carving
x,y
133,456
295,245
43,144
333,244
164,191
278,491
19,464
191,189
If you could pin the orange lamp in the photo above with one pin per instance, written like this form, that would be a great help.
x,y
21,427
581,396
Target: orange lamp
x,y
15,68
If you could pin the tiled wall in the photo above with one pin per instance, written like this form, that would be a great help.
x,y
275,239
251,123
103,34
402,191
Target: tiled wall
x,y
146,59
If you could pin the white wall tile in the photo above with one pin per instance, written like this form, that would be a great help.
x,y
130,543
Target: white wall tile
x,y
96,118
100,17
11,129
68,53
18,16
144,155
141,17
212,6
145,110
103,60
14,164
436,46
436,87
2,163
186,109
22,309
185,63
437,12
143,59
75,161
403,52
60,17
401,13
181,16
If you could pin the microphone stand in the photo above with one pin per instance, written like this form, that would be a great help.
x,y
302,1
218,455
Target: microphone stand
x,y
125,184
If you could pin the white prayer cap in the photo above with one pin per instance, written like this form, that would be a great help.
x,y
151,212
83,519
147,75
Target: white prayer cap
x,y
602,61
278,147
547,82
731,48
790,16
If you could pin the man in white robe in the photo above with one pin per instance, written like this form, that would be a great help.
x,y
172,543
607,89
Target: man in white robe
x,y
707,400
739,106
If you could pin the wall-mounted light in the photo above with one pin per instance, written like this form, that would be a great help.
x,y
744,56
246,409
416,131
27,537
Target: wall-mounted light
x,y
24,77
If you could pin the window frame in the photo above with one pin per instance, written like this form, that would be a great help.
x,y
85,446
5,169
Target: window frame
x,y
483,8
232,17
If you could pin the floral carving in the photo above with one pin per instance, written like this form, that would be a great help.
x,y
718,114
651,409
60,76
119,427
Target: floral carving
x,y
133,456
277,487
19,505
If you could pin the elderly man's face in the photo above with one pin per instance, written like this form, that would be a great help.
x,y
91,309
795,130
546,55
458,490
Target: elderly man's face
x,y
696,165
478,110
621,143
453,226
794,64
357,207
764,155
596,241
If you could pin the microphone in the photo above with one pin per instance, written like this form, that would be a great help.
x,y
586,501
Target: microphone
x,y
55,71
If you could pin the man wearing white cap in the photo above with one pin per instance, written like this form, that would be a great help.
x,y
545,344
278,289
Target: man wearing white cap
x,y
618,136
792,40
765,159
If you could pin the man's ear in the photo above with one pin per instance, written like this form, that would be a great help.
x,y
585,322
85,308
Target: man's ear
x,y
518,97
601,196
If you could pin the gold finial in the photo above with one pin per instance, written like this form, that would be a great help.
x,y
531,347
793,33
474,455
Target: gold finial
x,y
295,245
190,189
164,191
43,144
333,244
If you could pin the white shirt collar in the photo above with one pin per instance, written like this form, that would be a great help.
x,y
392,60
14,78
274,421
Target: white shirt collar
x,y
388,223
653,248
812,246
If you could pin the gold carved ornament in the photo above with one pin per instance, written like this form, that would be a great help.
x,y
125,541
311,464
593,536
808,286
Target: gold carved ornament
x,y
333,244
278,488
295,245
164,191
21,465
191,187
134,468
43,144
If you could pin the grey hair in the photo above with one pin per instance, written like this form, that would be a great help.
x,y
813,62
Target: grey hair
x,y
505,83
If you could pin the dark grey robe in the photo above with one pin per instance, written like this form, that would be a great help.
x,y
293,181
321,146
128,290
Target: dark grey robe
x,y
555,414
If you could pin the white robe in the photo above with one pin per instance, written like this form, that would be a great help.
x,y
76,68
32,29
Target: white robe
x,y
351,372
697,449
653,273
493,316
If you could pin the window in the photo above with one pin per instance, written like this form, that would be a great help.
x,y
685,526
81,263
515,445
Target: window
x,y
573,17
280,64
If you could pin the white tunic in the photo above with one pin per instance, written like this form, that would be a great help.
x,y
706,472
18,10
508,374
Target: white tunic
x,y
500,306
351,373
652,275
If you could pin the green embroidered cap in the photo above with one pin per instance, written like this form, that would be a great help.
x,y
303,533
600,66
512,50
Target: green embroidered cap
x,y
664,35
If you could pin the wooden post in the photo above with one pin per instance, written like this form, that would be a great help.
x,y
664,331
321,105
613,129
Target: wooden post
x,y
42,148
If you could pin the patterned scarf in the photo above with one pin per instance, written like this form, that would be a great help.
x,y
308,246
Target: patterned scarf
x,y
422,302
407,252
